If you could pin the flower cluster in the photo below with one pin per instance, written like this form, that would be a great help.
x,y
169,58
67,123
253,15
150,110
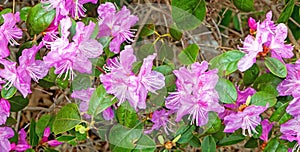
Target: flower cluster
x,y
125,85
266,37
196,94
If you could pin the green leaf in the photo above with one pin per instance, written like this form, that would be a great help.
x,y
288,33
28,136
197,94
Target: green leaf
x,y
226,90
24,13
286,117
147,30
214,123
236,23
287,12
124,139
41,124
8,93
5,11
164,69
251,143
17,103
175,32
10,121
226,17
208,144
126,115
66,119
226,63
244,5
39,19
265,81
65,138
274,146
34,139
276,116
276,67
170,82
189,54
261,98
158,98
100,101
145,144
195,142
251,74
165,52
230,140
188,14
144,51
186,134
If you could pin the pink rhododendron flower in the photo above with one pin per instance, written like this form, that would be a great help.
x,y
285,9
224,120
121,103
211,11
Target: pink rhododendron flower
x,y
242,96
196,94
76,8
125,85
5,134
9,32
22,143
268,38
13,78
247,118
291,131
4,110
160,118
116,24
29,67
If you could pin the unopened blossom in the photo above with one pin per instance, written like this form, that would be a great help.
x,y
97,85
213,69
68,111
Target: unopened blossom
x,y
247,118
11,75
196,95
160,118
5,134
9,32
45,138
4,110
30,68
22,144
84,96
242,96
116,24
125,85
265,37
266,128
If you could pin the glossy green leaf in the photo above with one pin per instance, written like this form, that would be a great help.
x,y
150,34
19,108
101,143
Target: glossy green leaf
x,y
285,117
232,139
165,52
251,143
276,67
39,19
265,81
8,93
189,54
10,121
287,12
274,146
69,116
158,98
147,30
41,124
34,139
17,103
24,13
279,112
185,133
145,144
226,90
188,14
144,51
100,101
164,69
65,138
208,144
175,32
261,98
244,5
170,82
81,82
126,115
195,142
226,63
123,139
250,75
213,125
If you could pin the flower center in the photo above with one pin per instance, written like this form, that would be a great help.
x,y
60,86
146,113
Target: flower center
x,y
242,107
265,51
